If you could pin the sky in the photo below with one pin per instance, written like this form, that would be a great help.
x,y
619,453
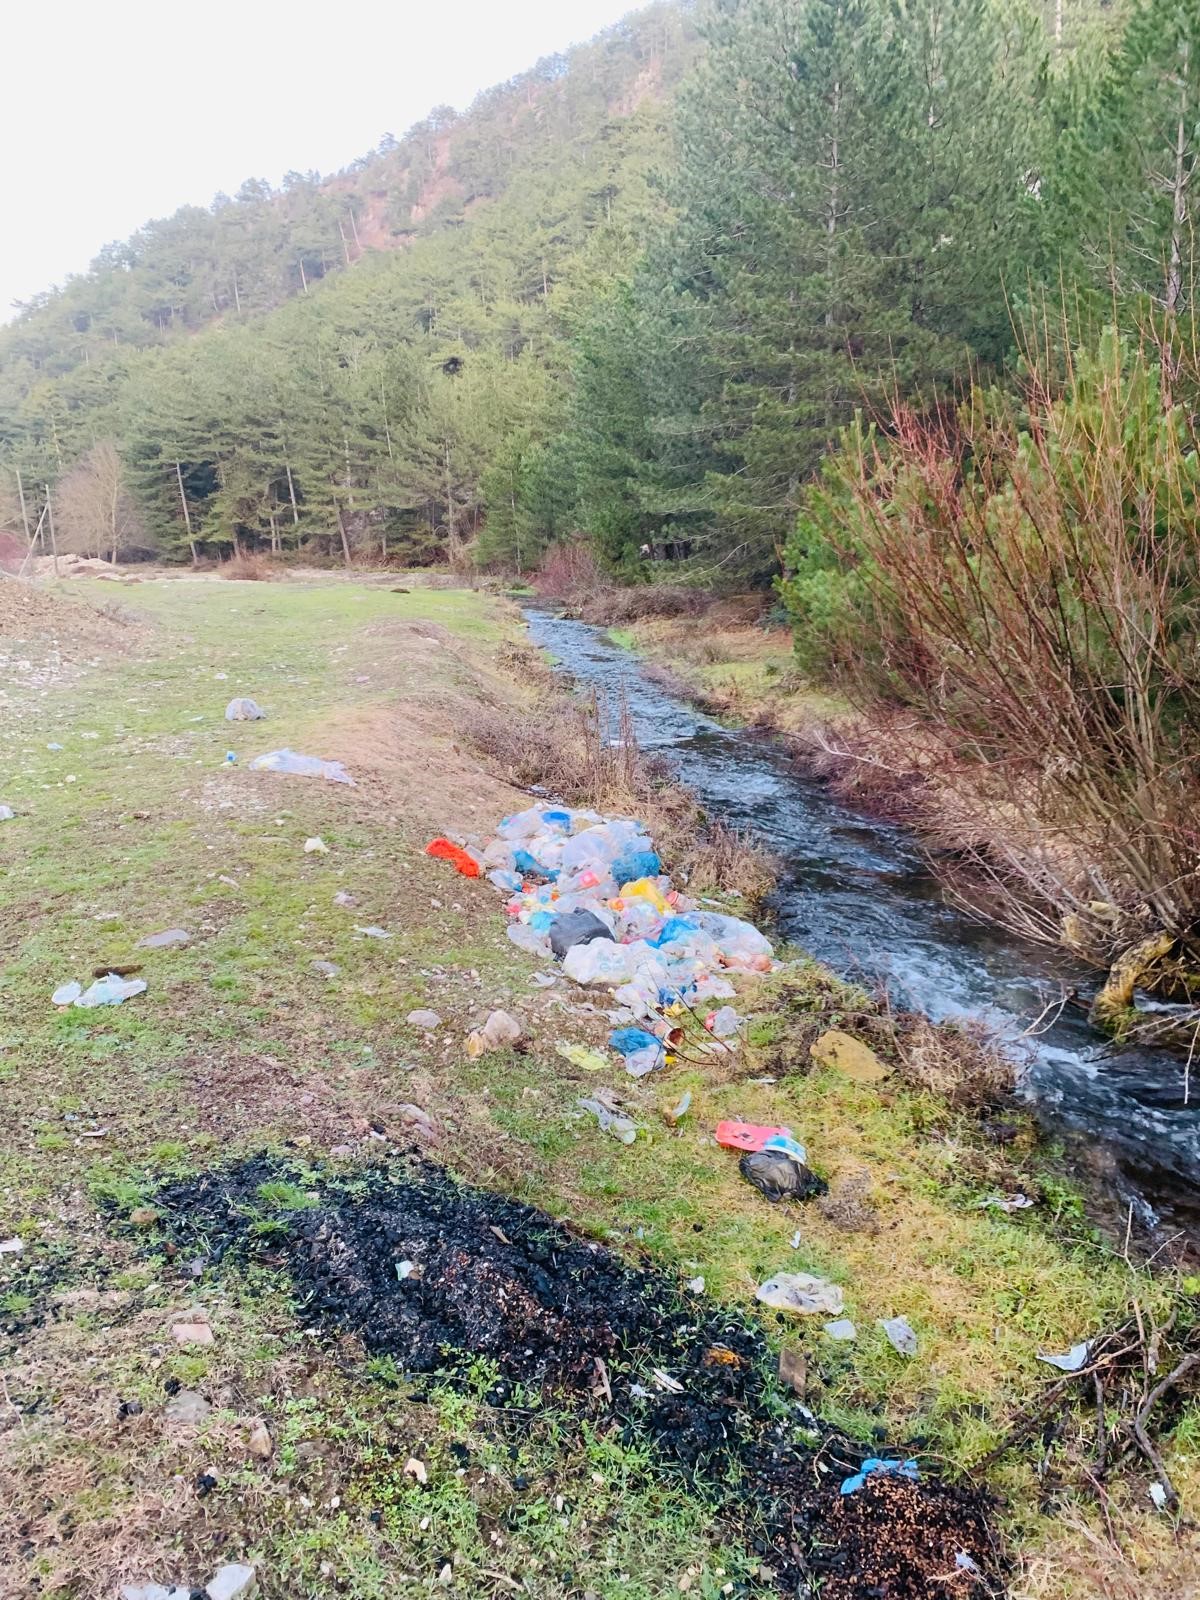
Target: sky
x,y
127,110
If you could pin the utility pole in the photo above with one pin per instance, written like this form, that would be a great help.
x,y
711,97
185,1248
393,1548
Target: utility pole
x,y
53,540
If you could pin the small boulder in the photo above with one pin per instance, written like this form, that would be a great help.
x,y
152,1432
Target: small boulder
x,y
234,1581
188,1408
429,1020
260,1443
849,1056
192,1333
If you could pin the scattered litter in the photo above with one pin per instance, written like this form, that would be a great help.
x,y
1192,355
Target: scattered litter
x,y
66,994
1072,1361
873,1465
416,1469
544,980
315,847
7,813
900,1335
372,932
573,928
230,758
341,898
748,1135
111,991
233,1581
243,709
1003,1202
843,1329
407,1269
429,1020
779,1171
462,860
677,1112
794,1241
966,1563
695,1285
498,1031
802,1293
298,766
327,969
723,1024
643,1051
164,940
1158,1494
582,1056
54,745
11,1247
621,1127
664,1381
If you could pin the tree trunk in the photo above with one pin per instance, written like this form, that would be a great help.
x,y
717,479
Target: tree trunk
x,y
345,538
287,467
53,539
1179,203
187,515
24,508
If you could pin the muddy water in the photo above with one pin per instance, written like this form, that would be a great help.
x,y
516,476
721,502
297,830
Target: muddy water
x,y
858,894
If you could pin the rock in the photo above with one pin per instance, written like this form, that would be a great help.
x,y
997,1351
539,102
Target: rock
x,y
900,1335
842,1329
143,1216
192,1333
315,847
164,940
341,898
849,1056
419,1122
231,1582
498,1031
11,1247
327,969
793,1369
429,1020
188,1408
155,1591
260,1442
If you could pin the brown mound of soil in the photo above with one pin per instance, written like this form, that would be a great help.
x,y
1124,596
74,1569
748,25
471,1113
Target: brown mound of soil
x,y
434,1274
35,620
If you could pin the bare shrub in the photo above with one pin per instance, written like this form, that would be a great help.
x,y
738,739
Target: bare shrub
x,y
568,570
611,607
1024,577
248,567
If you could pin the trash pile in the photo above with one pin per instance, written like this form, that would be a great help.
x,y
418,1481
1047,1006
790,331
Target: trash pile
x,y
590,892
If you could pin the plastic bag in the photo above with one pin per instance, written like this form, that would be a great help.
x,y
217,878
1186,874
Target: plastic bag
x,y
528,939
636,864
7,813
165,940
460,859
749,1135
243,709
604,963
802,1293
723,1024
298,766
779,1171
740,943
613,1122
874,1466
66,994
576,928
522,824
111,991
643,1051
900,1335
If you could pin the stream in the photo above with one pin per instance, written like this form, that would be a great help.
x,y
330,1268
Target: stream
x,y
858,894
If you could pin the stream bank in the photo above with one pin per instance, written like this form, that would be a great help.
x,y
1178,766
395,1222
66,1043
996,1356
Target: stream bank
x,y
857,893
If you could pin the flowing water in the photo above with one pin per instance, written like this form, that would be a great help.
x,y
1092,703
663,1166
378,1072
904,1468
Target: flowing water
x,y
858,894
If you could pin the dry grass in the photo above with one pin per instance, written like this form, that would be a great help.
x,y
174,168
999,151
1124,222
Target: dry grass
x,y
248,567
560,747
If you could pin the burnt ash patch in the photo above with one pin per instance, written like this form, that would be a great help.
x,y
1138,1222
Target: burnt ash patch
x,y
436,1274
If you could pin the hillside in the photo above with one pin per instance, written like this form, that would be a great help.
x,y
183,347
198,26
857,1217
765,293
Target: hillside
x,y
206,346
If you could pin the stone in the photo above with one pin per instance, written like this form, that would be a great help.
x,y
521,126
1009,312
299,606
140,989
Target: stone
x,y
793,1369
143,1216
849,1056
165,940
234,1581
155,1591
260,1443
192,1333
429,1020
188,1408
327,969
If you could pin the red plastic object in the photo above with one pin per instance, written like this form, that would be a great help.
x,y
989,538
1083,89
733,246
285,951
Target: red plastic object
x,y
747,1135
444,850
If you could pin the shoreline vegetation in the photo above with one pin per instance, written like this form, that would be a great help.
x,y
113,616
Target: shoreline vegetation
x,y
438,710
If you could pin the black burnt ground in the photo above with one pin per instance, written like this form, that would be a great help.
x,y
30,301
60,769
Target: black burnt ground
x,y
432,1272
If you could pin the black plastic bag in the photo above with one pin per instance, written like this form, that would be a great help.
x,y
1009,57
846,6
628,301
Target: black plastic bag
x,y
779,1176
576,927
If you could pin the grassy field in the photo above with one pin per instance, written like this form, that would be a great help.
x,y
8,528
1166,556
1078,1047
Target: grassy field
x,y
131,820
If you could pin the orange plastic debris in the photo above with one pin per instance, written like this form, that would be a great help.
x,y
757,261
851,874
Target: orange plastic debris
x,y
747,1135
444,850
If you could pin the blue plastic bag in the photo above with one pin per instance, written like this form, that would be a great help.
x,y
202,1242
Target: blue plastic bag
x,y
636,864
901,1469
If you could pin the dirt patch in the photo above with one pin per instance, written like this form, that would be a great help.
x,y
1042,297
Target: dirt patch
x,y
435,1274
44,636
